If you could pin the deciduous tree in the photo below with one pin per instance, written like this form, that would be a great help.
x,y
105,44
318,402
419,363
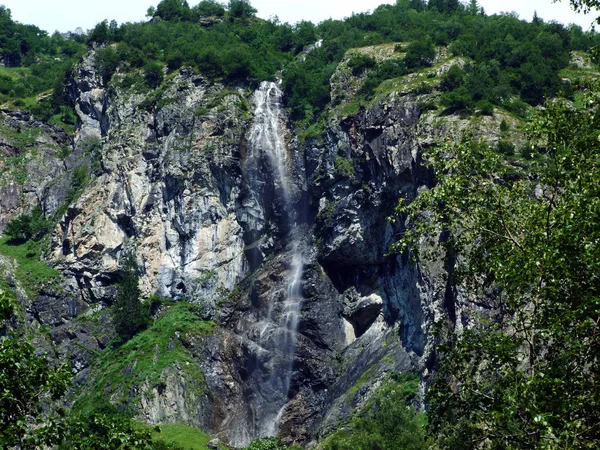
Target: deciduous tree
x,y
528,251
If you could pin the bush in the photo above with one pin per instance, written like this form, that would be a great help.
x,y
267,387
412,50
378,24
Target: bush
x,y
29,385
153,74
457,100
271,443
209,8
453,79
420,53
110,430
485,108
28,226
241,9
360,63
387,422
505,147
344,167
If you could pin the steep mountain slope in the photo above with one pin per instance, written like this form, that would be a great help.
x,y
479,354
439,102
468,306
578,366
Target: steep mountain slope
x,y
263,243
179,178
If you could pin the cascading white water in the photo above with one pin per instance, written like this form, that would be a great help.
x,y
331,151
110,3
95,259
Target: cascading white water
x,y
265,135
280,323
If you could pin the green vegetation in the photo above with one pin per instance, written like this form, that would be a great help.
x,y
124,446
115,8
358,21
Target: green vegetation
x,y
526,374
29,386
183,436
30,415
129,315
270,443
345,167
386,422
519,60
36,66
146,360
27,226
30,270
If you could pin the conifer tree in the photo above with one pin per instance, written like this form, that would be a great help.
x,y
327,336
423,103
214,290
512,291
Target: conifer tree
x,y
129,315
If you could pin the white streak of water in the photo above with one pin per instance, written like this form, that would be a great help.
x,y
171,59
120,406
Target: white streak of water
x,y
280,329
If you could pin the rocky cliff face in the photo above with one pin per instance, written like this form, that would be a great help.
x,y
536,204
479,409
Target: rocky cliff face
x,y
176,179
34,167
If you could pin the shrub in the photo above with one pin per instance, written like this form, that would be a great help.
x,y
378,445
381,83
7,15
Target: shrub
x,y
453,79
28,226
344,167
387,422
241,9
505,147
485,108
360,63
457,100
210,8
420,53
153,74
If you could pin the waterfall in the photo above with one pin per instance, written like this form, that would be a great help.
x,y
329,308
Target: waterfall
x,y
279,325
266,136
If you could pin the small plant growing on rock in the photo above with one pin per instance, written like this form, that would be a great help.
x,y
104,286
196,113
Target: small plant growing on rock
x,y
344,167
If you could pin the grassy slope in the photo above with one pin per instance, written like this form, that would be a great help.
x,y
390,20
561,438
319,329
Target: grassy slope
x,y
183,436
146,360
30,270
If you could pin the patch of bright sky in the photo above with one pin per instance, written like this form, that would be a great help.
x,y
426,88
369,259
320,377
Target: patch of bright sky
x,y
67,15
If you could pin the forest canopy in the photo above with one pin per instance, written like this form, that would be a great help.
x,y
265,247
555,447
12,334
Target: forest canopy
x,y
226,42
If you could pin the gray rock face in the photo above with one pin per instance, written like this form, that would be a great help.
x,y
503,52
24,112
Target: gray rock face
x,y
33,166
170,186
210,223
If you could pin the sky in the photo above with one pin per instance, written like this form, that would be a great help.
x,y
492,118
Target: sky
x,y
67,15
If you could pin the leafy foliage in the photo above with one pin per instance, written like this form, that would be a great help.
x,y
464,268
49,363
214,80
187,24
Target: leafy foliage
x,y
107,429
526,374
28,226
35,64
28,387
268,443
387,422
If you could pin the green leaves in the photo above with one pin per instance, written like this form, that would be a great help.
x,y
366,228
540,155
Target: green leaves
x,y
528,254
28,226
387,422
29,386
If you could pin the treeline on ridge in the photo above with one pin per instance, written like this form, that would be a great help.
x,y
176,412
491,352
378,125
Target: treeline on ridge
x,y
509,62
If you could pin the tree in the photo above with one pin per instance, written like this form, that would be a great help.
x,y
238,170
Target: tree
x,y
209,8
28,226
444,6
29,387
101,431
241,9
420,53
173,10
101,33
454,78
153,74
585,6
388,421
129,315
527,252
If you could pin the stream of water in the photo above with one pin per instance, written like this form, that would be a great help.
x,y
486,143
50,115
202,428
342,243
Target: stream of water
x,y
280,322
